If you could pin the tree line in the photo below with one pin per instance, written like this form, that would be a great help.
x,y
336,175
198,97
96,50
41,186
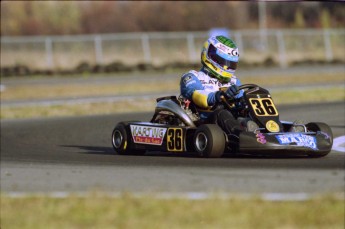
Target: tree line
x,y
20,18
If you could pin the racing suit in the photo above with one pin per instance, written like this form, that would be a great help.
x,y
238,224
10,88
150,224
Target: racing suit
x,y
201,89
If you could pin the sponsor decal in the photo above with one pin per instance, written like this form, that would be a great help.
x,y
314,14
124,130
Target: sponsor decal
x,y
272,126
260,137
222,47
148,134
186,79
212,82
234,52
299,139
225,49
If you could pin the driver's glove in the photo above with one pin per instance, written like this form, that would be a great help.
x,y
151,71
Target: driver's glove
x,y
231,92
218,95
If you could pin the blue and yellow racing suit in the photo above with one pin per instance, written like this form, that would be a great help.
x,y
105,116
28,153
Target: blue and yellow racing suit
x,y
200,88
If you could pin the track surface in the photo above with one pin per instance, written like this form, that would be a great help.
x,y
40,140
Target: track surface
x,y
75,154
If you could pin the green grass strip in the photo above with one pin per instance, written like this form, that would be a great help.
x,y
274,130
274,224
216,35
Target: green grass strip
x,y
292,96
148,212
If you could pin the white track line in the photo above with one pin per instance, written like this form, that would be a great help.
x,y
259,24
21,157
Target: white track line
x,y
337,144
166,195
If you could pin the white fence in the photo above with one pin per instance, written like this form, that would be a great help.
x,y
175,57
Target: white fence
x,y
59,52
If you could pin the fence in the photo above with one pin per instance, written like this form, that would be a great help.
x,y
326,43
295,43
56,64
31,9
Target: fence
x,y
59,52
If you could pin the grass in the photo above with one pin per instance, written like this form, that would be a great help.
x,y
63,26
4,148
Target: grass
x,y
316,95
48,91
77,109
275,80
75,90
172,84
148,212
148,105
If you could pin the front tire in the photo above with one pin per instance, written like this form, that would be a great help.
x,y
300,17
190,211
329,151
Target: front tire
x,y
209,141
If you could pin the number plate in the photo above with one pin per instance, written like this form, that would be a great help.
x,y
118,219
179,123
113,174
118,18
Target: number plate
x,y
263,106
175,139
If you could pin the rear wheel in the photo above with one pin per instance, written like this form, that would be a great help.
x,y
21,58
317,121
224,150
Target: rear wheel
x,y
322,127
120,141
209,141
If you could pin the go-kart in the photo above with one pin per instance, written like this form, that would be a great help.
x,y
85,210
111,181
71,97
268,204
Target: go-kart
x,y
176,127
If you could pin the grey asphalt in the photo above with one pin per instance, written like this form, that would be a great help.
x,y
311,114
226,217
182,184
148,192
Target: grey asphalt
x,y
75,155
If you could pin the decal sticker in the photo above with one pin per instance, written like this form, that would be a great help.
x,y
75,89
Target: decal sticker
x,y
186,79
234,52
175,139
148,134
260,137
225,49
299,139
263,106
272,126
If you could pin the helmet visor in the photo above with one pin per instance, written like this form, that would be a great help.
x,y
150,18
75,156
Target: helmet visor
x,y
224,63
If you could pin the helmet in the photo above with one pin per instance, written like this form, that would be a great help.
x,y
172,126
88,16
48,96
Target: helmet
x,y
220,56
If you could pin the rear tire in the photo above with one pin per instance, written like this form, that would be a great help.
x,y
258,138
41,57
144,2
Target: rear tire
x,y
209,141
323,127
120,142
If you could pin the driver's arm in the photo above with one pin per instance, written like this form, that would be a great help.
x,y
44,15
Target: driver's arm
x,y
192,89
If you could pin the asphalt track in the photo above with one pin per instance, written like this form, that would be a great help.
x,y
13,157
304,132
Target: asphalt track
x,y
75,155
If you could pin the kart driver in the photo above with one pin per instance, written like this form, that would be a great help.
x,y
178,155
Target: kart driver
x,y
219,58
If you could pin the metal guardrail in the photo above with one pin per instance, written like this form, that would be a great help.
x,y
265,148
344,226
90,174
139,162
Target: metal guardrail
x,y
281,45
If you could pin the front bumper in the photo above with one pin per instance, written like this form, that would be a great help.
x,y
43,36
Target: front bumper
x,y
284,143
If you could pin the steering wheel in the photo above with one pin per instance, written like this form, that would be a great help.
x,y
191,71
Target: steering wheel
x,y
247,86
228,102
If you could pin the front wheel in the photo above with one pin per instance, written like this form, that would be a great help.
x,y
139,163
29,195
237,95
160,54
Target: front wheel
x,y
209,141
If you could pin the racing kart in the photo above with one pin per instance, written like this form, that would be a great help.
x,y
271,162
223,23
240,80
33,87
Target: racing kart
x,y
176,127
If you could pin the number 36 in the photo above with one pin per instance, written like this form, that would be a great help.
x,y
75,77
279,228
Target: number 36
x,y
175,139
263,107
